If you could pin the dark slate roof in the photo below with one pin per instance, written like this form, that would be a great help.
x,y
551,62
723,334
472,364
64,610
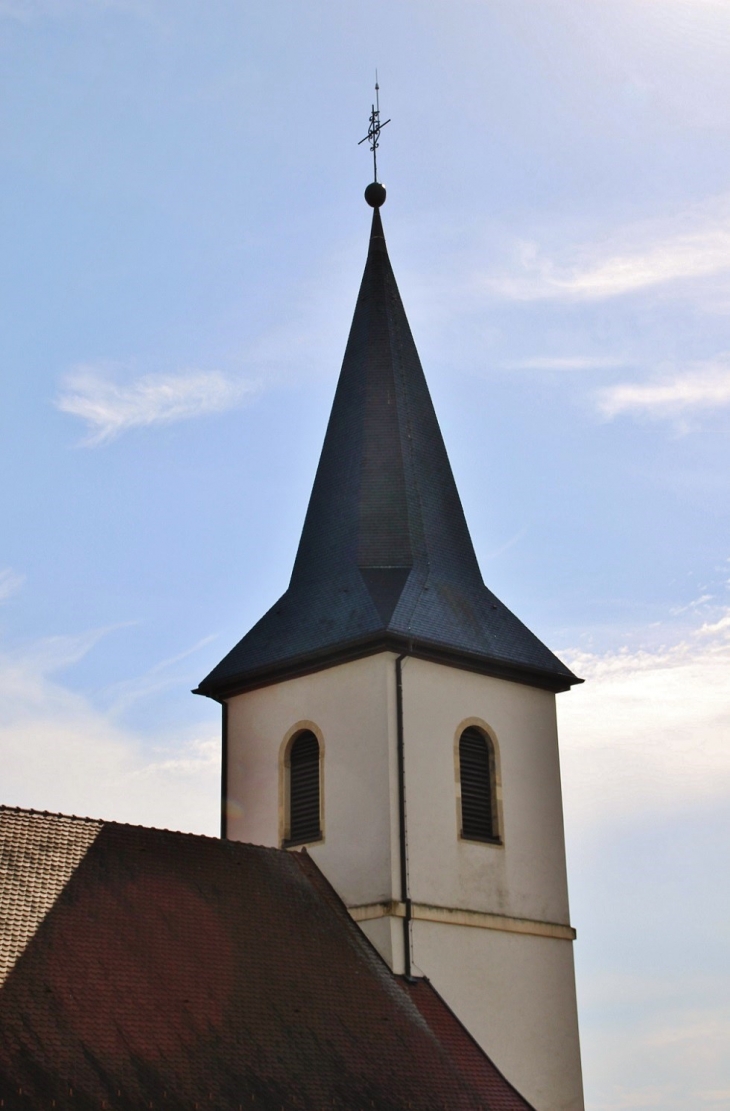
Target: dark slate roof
x,y
385,558
174,971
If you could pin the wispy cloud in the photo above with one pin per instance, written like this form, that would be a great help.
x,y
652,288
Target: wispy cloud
x,y
111,401
515,539
648,730
705,386
566,362
10,582
693,245
124,694
60,752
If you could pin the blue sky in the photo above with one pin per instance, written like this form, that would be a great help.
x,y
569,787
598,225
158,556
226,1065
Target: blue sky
x,y
183,235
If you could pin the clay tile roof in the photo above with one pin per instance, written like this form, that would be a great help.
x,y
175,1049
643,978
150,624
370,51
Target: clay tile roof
x,y
165,970
466,1055
385,558
37,859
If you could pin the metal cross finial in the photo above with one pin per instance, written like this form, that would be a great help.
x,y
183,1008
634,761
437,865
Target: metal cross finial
x,y
373,135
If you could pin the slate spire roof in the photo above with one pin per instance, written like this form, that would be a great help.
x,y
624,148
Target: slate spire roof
x,y
385,559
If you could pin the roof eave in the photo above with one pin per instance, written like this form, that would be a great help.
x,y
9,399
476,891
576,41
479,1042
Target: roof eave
x,y
346,651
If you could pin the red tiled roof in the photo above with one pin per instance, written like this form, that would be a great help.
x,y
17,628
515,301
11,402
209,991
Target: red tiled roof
x,y
165,970
465,1054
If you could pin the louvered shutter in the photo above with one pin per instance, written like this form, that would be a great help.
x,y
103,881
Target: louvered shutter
x,y
477,802
304,823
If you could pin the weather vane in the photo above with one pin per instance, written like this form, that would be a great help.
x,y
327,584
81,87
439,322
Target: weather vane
x,y
373,135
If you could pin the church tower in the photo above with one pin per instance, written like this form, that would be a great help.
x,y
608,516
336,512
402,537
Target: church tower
x,y
392,716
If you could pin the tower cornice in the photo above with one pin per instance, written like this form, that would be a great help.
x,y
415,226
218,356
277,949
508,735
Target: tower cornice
x,y
309,663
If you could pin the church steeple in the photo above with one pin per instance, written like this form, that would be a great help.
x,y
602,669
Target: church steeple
x,y
391,715
385,559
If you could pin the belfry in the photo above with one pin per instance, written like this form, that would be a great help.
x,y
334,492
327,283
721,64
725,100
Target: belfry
x,y
393,717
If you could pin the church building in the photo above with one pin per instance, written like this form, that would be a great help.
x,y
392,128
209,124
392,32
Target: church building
x,y
384,922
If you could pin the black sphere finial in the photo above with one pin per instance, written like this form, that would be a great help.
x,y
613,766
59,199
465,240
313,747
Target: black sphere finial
x,y
375,194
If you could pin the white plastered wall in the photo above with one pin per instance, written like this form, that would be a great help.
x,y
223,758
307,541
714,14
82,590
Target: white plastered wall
x,y
516,996
514,991
351,709
525,877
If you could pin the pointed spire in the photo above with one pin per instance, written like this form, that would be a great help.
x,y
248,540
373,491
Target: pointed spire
x,y
385,559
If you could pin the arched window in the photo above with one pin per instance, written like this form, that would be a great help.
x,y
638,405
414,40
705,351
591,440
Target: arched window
x,y
304,807
478,794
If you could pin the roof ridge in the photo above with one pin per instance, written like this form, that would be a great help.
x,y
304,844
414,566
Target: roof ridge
x,y
7,809
82,820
